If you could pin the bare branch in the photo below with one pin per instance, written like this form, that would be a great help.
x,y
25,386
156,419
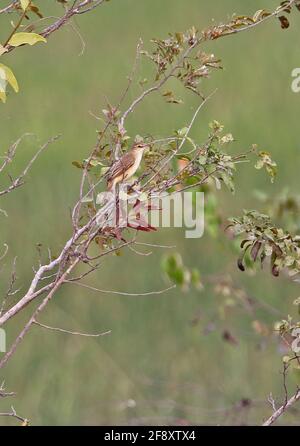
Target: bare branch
x,y
158,85
11,152
32,319
5,251
9,8
75,333
19,181
282,409
120,293
10,291
83,7
14,414
155,245
32,293
4,394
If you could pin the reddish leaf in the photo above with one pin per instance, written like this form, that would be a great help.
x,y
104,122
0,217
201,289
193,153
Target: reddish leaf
x,y
255,250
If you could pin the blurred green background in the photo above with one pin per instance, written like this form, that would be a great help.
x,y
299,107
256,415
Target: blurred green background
x,y
159,365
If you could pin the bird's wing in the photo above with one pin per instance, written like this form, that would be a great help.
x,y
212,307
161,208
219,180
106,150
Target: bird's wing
x,y
121,166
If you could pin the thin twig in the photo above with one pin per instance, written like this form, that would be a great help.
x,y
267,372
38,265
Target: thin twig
x,y
82,8
282,409
17,26
19,181
75,333
39,309
121,293
9,8
14,414
175,152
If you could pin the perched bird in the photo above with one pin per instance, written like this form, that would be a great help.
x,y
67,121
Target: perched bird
x,y
126,166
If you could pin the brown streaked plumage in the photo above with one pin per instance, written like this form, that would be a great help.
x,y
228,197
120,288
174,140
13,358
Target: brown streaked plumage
x,y
126,166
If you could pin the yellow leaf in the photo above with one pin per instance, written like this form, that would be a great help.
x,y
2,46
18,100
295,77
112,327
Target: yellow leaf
x,y
2,96
9,77
24,4
23,38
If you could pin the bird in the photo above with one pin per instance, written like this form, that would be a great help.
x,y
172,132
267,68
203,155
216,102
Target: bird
x,y
126,166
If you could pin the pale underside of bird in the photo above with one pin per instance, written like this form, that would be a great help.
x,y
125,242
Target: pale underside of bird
x,y
125,167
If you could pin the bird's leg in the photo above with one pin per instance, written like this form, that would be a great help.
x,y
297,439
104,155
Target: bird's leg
x,y
135,187
117,202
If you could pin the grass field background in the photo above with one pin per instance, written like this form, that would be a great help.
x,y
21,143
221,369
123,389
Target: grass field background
x,y
155,366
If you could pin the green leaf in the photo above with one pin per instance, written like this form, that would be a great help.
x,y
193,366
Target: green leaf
x,y
26,38
177,276
183,131
196,279
171,262
78,164
168,93
179,38
173,267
